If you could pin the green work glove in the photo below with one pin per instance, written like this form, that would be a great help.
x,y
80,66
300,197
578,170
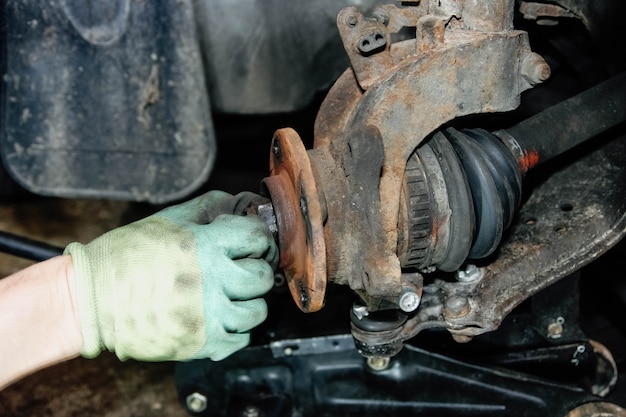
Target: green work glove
x,y
184,283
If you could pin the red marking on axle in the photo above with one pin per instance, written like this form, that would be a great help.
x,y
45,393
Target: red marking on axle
x,y
529,160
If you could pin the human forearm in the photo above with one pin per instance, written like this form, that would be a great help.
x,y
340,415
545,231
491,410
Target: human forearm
x,y
38,320
184,283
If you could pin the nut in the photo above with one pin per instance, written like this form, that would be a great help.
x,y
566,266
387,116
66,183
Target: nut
x,y
471,273
456,307
360,311
555,329
409,301
378,364
196,402
535,69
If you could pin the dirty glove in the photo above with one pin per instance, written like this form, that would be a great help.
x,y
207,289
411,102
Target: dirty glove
x,y
184,283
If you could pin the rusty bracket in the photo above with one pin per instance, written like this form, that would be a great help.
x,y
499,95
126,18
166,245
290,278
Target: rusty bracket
x,y
367,45
465,59
471,71
368,40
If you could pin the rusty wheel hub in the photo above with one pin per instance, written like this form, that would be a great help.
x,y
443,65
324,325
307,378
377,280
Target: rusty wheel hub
x,y
291,187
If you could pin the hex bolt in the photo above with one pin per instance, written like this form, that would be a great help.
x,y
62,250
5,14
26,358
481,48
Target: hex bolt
x,y
196,402
471,273
360,311
409,301
251,411
555,329
378,364
535,69
276,147
456,307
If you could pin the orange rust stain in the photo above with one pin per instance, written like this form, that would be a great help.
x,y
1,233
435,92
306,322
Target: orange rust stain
x,y
529,160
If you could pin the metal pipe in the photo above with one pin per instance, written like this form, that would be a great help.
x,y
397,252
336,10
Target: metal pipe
x,y
571,122
24,247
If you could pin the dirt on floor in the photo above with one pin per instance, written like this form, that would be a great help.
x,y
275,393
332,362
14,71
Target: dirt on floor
x,y
99,387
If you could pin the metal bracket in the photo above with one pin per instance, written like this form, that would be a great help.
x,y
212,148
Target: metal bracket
x,y
324,376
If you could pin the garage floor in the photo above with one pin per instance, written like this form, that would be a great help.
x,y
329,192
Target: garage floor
x,y
103,386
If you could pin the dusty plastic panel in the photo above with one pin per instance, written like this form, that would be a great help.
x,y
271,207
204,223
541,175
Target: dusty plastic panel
x,y
104,99
271,56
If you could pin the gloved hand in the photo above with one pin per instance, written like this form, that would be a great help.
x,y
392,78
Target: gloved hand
x,y
184,283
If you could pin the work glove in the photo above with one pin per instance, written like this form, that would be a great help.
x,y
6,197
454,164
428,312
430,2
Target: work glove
x,y
184,283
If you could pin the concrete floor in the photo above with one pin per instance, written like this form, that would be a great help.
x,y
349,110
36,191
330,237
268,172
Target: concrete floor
x,y
103,386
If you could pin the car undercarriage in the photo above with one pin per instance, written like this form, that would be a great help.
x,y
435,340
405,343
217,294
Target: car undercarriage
x,y
446,185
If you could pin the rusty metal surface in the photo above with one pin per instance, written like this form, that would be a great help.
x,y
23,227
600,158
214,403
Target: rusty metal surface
x,y
377,114
465,59
299,220
367,44
572,218
535,11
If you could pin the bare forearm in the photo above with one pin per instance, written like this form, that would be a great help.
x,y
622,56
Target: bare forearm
x,y
38,320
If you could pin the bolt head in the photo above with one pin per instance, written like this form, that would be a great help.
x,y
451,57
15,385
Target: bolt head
x,y
409,301
471,273
360,311
276,148
456,307
196,402
543,72
535,69
378,364
555,329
